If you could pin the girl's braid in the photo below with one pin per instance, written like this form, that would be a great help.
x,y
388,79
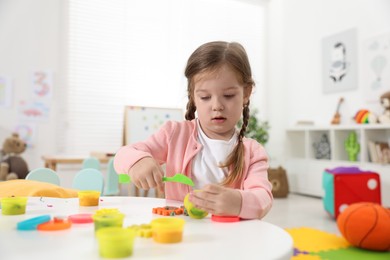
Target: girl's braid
x,y
191,108
245,120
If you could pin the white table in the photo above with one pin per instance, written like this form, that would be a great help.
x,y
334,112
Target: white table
x,y
202,239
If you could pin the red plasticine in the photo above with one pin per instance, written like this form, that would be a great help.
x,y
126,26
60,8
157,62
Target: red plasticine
x,y
225,218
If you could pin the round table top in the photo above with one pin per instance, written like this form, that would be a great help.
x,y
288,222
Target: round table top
x,y
202,238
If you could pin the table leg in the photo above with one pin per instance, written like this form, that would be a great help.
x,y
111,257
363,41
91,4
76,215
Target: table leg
x,y
51,165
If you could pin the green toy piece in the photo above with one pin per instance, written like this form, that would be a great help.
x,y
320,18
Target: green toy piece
x,y
178,177
124,178
352,146
181,178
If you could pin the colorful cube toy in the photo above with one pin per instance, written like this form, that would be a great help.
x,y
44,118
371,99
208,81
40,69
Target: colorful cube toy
x,y
344,186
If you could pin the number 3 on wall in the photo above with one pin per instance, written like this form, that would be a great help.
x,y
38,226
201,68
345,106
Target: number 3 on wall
x,y
41,83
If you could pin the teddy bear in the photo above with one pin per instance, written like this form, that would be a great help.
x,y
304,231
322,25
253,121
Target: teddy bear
x,y
385,101
12,166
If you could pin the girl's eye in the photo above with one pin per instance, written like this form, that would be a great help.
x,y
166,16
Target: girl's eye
x,y
205,98
229,96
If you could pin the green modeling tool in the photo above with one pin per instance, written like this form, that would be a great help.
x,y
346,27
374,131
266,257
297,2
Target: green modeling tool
x,y
178,177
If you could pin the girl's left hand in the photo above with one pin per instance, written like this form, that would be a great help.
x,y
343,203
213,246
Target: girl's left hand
x,y
218,200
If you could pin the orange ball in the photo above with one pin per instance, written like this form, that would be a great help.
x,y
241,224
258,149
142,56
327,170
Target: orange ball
x,y
366,225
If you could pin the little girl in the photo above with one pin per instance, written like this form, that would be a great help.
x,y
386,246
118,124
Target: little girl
x,y
229,169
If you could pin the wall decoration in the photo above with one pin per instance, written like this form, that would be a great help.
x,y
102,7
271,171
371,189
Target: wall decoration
x,y
339,62
376,67
26,132
5,92
42,81
142,122
33,111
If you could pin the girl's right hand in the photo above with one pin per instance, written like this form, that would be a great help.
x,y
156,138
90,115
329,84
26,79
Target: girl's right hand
x,y
147,174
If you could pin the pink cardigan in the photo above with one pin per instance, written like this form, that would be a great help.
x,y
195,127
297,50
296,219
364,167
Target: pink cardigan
x,y
176,145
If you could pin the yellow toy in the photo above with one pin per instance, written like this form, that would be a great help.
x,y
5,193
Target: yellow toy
x,y
191,210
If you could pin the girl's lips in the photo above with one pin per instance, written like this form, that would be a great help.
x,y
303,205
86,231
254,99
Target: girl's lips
x,y
219,119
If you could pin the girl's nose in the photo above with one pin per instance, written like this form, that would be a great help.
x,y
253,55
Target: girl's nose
x,y
217,106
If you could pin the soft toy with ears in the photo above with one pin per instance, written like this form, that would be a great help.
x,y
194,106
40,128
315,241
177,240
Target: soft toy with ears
x,y
12,166
385,101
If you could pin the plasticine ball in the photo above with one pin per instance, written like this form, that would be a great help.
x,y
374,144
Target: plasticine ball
x,y
191,210
366,225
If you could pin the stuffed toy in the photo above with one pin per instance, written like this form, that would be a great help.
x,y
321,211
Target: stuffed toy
x,y
12,166
385,101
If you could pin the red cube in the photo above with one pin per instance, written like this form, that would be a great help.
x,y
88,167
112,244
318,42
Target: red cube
x,y
349,186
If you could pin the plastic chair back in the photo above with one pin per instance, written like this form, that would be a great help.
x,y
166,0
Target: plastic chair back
x,y
91,162
44,175
112,180
88,179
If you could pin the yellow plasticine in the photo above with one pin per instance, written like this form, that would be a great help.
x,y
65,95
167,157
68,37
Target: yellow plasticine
x,y
88,198
108,220
13,205
143,230
107,211
167,230
146,233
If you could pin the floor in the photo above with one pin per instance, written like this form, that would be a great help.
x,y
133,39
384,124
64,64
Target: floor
x,y
301,211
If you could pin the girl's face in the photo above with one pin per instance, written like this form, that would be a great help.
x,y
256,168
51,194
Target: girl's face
x,y
219,99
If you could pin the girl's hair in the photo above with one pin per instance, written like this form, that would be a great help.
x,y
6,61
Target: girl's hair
x,y
210,57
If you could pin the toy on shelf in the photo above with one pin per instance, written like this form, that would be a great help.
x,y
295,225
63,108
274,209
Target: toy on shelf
x,y
366,225
352,146
385,102
364,116
337,117
322,148
344,186
12,166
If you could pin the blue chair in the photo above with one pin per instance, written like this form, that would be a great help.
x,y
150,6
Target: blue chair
x,y
88,179
112,180
91,162
44,175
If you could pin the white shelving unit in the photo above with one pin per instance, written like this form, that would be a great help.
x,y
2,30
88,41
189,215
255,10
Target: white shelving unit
x,y
305,171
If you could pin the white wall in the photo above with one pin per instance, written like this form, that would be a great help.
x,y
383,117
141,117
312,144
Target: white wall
x,y
32,38
296,30
30,33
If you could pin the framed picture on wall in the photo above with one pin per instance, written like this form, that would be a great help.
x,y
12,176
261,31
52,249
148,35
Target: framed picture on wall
x,y
142,122
340,62
376,67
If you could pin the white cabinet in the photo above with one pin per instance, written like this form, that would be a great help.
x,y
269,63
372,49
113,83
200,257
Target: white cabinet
x,y
305,171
